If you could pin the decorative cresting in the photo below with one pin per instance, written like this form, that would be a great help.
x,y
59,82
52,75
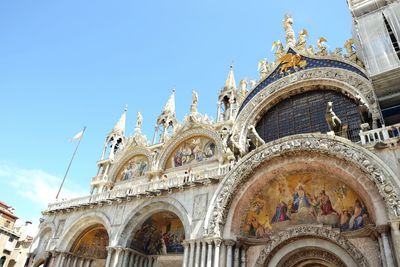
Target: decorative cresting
x,y
284,237
310,63
184,135
373,167
125,156
342,80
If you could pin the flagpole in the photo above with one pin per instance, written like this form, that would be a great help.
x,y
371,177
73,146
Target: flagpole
x,y
69,165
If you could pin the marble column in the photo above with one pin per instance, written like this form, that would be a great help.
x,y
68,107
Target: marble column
x,y
203,254
243,256
137,259
236,257
229,256
109,256
117,258
209,253
67,260
217,243
80,262
74,261
125,262
382,252
185,253
131,259
191,253
222,253
395,233
387,250
87,263
197,258
62,260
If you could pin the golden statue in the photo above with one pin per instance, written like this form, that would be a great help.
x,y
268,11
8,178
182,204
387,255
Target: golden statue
x,y
310,50
351,52
302,42
322,47
291,61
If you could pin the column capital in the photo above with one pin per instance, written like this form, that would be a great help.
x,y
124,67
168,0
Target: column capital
x,y
217,242
395,225
383,228
209,241
230,242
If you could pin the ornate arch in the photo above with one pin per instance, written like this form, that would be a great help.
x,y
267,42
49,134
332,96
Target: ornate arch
x,y
73,230
341,80
290,235
126,156
183,135
145,210
374,169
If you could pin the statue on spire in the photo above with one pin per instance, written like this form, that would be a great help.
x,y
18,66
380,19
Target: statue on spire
x,y
302,42
195,99
289,33
139,122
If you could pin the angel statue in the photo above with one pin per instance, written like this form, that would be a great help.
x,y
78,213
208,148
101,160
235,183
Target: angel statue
x,y
243,86
302,42
310,50
139,120
289,33
278,47
351,52
263,68
322,47
195,99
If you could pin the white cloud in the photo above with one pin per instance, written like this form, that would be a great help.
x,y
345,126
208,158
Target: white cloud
x,y
36,185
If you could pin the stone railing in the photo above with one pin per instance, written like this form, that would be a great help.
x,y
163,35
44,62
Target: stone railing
x,y
150,189
381,134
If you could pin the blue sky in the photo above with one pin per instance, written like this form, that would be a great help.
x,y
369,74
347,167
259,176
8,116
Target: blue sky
x,y
67,64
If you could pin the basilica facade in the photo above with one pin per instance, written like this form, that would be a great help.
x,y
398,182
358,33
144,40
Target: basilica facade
x,y
300,168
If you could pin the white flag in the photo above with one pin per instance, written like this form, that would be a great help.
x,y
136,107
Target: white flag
x,y
78,136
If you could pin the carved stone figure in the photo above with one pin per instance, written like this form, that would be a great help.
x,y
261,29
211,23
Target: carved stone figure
x,y
289,33
333,121
195,99
254,139
139,121
322,47
243,86
351,53
363,110
278,47
263,68
310,50
302,41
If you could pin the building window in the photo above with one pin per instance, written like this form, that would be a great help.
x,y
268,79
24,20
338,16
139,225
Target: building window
x,y
2,261
305,113
11,239
395,42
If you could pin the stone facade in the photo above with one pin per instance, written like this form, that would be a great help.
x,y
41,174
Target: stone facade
x,y
212,194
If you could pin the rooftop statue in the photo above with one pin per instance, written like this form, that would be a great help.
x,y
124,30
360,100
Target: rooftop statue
x,y
302,42
195,99
263,68
322,47
291,61
289,33
139,121
310,50
351,52
243,86
278,47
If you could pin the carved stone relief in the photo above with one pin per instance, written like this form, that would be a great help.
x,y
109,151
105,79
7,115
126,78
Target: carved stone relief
x,y
200,206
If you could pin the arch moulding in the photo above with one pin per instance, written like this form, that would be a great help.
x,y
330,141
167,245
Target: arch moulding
x,y
343,81
141,213
321,237
370,165
72,232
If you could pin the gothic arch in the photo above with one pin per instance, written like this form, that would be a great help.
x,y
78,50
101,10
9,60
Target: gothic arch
x,y
125,156
313,237
346,82
144,211
375,170
79,225
183,135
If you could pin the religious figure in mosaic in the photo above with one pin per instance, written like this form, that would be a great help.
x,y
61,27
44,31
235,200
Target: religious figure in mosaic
x,y
303,198
193,150
135,167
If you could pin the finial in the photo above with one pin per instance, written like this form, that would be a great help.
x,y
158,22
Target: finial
x,y
126,107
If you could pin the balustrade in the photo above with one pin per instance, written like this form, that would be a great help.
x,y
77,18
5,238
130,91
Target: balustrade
x,y
381,134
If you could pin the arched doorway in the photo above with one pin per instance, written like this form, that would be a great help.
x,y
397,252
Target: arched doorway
x,y
92,243
311,257
161,235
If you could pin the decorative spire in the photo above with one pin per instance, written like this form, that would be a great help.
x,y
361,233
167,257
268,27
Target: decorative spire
x,y
119,128
170,106
230,80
